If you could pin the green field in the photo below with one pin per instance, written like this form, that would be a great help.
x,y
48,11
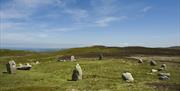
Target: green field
x,y
104,75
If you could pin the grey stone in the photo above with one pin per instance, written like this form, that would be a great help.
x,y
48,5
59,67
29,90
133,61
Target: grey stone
x,y
140,61
11,67
73,58
154,70
164,78
164,66
25,67
128,77
153,63
77,73
100,56
164,74
160,69
37,62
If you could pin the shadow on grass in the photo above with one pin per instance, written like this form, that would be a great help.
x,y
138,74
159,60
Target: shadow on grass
x,y
100,76
165,86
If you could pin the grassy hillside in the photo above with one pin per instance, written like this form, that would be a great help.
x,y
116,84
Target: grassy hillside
x,y
103,75
175,47
8,52
118,51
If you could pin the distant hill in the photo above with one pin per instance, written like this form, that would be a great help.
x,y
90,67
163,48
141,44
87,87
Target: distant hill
x,y
118,51
94,51
8,52
175,47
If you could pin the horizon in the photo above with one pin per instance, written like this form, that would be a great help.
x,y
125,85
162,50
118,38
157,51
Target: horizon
x,y
75,23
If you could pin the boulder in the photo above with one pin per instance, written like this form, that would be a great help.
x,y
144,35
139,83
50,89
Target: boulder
x,y
11,67
164,74
77,73
164,78
140,61
128,77
25,67
153,63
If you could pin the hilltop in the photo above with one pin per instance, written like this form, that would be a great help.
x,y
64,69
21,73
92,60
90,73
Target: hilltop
x,y
118,51
94,51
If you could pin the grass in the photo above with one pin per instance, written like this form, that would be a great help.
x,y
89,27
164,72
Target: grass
x,y
104,75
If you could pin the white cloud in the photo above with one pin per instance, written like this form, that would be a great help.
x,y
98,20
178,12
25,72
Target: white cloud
x,y
65,29
146,9
11,26
105,21
105,7
77,14
23,9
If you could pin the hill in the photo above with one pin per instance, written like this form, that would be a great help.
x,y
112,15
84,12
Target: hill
x,y
117,51
105,75
8,52
175,47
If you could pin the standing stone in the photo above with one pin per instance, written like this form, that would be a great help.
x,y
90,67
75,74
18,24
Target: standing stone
x,y
73,58
140,61
153,63
100,56
163,66
11,67
128,77
77,73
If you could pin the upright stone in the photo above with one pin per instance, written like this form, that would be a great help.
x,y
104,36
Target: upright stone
x,y
153,63
77,73
163,66
11,67
140,61
73,58
100,56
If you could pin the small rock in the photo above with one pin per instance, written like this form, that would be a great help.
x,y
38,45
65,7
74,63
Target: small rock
x,y
37,62
154,70
164,78
164,74
160,69
128,77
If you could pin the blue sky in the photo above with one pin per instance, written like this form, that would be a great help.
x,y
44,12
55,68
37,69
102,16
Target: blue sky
x,y
75,23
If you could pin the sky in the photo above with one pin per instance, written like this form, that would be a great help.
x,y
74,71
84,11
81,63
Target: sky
x,y
76,23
